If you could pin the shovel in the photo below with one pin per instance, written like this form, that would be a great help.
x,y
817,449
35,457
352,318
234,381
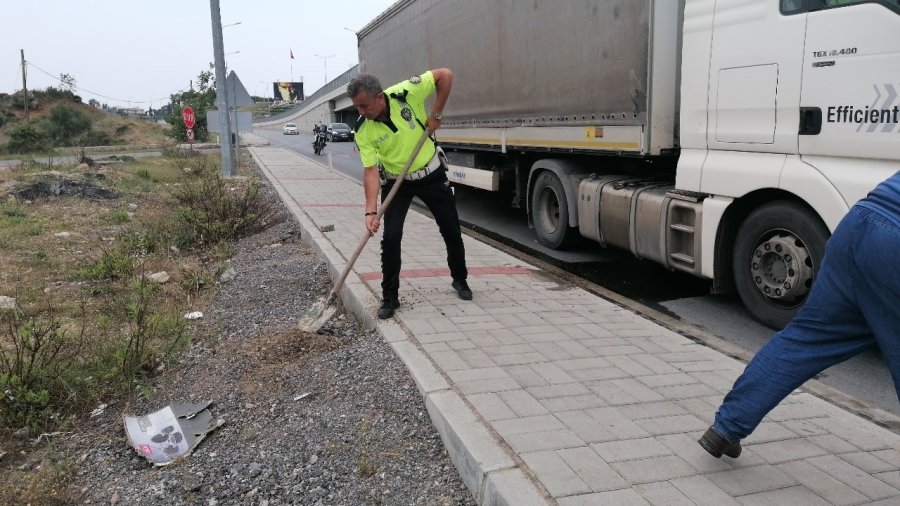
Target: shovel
x,y
324,308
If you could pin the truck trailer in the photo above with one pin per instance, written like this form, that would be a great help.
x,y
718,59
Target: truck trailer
x,y
722,138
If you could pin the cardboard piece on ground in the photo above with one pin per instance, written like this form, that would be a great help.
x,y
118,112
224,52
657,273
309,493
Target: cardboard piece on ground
x,y
170,433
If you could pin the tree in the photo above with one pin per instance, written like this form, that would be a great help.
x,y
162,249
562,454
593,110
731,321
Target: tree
x,y
68,82
94,103
200,100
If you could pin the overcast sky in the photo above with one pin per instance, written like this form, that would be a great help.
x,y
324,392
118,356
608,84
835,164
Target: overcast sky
x,y
135,53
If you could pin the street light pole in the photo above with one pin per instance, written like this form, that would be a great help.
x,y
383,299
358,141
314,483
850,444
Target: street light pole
x,y
221,90
325,67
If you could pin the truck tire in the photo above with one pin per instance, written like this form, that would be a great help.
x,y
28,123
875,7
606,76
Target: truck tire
x,y
777,255
550,212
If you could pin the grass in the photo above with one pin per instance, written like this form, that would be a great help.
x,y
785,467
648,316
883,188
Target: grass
x,y
77,268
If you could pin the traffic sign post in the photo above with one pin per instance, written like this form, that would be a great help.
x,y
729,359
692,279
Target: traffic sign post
x,y
190,134
187,114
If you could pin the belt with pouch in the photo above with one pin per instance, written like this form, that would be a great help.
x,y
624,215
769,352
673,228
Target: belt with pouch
x,y
429,167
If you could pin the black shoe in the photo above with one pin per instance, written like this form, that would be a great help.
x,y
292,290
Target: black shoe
x,y
462,289
717,445
387,307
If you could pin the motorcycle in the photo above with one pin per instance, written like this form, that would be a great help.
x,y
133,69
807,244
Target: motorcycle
x,y
319,143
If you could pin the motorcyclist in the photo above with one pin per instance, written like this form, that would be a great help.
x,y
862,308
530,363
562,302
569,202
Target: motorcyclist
x,y
319,141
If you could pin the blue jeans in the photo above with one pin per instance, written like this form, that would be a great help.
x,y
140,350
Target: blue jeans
x,y
854,304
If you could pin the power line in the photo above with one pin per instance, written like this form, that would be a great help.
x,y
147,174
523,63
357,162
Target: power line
x,y
95,93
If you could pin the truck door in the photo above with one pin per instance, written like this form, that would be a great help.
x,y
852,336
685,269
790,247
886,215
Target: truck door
x,y
754,77
850,98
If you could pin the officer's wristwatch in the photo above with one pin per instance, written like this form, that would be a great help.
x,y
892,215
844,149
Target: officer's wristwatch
x,y
438,116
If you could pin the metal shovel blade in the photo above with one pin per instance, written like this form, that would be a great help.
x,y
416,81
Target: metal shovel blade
x,y
319,313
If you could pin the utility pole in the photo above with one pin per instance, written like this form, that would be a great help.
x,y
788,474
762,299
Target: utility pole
x,y
221,91
24,84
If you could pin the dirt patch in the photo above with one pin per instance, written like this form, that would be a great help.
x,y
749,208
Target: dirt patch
x,y
64,187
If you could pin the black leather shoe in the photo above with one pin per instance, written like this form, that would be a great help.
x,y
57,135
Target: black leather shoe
x,y
717,445
462,289
388,307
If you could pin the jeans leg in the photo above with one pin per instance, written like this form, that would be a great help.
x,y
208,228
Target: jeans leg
x,y
829,329
439,198
876,257
394,217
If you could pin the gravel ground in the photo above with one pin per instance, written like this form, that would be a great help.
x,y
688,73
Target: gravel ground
x,y
361,435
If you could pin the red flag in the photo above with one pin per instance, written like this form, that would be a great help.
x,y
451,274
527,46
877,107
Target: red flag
x,y
292,54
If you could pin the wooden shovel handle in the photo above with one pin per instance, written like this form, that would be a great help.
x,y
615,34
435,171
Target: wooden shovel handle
x,y
384,205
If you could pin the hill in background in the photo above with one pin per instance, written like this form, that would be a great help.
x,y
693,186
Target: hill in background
x,y
58,118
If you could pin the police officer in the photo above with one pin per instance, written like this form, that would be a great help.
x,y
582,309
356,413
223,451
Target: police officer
x,y
390,125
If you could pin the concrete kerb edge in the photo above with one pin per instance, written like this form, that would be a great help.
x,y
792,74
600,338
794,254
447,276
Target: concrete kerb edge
x,y
484,466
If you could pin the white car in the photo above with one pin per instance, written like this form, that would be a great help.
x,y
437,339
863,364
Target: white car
x,y
290,129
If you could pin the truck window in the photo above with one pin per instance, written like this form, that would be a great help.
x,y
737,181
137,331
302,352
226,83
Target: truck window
x,y
798,6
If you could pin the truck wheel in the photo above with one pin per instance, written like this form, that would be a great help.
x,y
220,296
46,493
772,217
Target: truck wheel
x,y
550,212
777,255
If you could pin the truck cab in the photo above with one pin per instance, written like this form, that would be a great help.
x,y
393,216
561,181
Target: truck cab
x,y
789,115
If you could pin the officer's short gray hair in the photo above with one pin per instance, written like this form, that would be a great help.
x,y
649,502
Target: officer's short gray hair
x,y
364,82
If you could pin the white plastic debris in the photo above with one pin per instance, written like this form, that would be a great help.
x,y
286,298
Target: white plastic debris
x,y
99,411
194,315
170,433
301,396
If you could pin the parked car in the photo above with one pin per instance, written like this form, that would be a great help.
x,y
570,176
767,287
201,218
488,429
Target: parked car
x,y
339,132
290,129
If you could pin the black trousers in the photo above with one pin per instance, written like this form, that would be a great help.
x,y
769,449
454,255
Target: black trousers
x,y
434,190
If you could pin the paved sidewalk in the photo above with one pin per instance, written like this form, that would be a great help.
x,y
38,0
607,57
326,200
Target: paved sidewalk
x,y
546,394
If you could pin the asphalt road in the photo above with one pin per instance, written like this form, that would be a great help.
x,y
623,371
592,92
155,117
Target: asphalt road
x,y
864,377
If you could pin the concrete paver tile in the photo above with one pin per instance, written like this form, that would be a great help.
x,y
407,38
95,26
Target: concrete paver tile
x,y
586,427
476,359
892,478
622,497
571,402
792,495
547,440
653,469
522,402
524,425
803,428
651,410
485,373
663,493
449,361
703,492
873,488
750,480
821,483
624,391
526,376
671,424
491,406
481,386
465,344
891,456
518,358
684,391
557,477
784,451
630,449
615,422
832,444
598,374
559,390
656,365
583,363
552,351
592,469
665,380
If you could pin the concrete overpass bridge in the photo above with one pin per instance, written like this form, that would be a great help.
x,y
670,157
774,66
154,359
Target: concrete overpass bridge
x,y
329,104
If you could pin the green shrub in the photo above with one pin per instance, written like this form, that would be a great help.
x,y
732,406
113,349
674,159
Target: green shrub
x,y
215,210
28,138
67,125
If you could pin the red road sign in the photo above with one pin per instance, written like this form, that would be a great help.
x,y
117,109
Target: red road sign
x,y
190,134
187,114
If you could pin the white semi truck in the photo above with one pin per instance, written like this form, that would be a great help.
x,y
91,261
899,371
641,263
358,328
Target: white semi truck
x,y
723,138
